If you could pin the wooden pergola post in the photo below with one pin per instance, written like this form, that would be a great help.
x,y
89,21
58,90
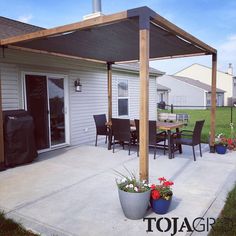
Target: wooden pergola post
x,y
213,102
144,98
1,132
109,89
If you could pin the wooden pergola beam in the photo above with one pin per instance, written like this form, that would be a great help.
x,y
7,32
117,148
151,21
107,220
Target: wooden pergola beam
x,y
213,102
161,21
109,89
167,57
53,54
144,48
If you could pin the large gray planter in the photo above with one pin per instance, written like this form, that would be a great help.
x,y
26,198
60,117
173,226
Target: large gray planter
x,y
134,205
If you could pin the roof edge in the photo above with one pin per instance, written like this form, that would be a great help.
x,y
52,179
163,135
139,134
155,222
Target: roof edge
x,y
179,78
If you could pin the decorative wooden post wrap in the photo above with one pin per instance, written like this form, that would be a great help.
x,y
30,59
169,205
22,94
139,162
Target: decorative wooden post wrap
x,y
109,85
213,102
144,98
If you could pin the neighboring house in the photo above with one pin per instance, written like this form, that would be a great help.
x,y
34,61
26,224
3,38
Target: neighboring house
x,y
163,94
44,84
189,92
225,81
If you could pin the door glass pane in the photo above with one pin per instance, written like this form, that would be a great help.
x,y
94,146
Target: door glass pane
x,y
56,105
37,106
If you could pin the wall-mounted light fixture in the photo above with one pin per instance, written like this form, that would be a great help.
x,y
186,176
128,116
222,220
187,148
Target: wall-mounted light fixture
x,y
78,86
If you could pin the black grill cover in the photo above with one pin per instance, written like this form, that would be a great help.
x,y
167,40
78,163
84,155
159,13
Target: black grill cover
x,y
19,140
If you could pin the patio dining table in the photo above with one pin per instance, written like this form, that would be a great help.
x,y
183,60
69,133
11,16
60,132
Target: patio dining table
x,y
166,126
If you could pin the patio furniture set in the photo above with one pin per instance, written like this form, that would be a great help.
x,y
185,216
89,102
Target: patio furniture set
x,y
162,135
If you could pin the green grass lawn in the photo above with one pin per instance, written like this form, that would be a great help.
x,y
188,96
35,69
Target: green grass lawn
x,y
223,118
225,224
10,228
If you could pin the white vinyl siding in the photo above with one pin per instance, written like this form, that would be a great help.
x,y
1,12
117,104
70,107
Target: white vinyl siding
x,y
10,86
82,106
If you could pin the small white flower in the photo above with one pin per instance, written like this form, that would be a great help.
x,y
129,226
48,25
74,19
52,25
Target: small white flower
x,y
127,186
131,185
135,189
145,185
123,180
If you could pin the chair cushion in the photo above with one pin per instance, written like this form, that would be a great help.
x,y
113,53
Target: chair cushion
x,y
184,141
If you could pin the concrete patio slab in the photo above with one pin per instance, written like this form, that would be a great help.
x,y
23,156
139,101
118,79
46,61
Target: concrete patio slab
x,y
72,191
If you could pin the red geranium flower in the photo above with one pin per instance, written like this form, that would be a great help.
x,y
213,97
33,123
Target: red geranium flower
x,y
168,183
155,194
153,186
162,179
230,141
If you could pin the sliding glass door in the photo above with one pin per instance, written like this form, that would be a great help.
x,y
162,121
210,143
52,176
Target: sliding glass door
x,y
46,102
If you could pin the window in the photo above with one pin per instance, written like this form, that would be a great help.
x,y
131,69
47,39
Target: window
x,y
162,97
123,98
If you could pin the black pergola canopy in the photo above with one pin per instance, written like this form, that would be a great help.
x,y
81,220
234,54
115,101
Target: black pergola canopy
x,y
114,38
115,42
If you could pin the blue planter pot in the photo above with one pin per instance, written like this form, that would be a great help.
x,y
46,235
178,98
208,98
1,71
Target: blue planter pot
x,y
221,149
160,206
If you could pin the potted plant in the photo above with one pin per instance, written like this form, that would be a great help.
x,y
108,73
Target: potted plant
x,y
232,144
232,140
221,143
161,196
134,196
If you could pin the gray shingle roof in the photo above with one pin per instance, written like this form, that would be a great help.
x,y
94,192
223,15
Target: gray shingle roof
x,y
162,87
197,83
10,28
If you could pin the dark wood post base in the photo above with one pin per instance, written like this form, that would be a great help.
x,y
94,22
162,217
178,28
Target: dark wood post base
x,y
212,149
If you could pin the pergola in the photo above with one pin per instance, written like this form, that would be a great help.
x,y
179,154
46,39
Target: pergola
x,y
135,35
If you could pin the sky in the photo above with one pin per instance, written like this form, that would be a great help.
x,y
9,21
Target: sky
x,y
212,21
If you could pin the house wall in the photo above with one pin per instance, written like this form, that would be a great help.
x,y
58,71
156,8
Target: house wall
x,y
183,94
234,87
82,106
203,74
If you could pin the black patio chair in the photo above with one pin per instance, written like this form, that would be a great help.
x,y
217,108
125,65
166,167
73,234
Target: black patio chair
x,y
121,132
154,137
190,138
101,127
